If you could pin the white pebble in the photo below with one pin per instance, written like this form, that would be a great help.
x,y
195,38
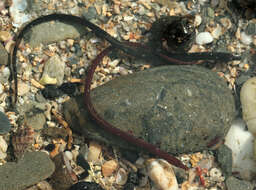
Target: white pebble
x,y
6,72
246,39
1,88
69,155
2,155
215,173
3,144
204,38
240,141
161,173
3,148
217,32
198,20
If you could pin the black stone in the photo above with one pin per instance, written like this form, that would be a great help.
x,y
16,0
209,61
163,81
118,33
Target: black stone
x,y
50,147
51,92
82,162
133,178
130,155
68,88
86,186
83,175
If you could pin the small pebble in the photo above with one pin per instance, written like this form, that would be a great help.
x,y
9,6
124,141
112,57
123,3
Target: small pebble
x,y
51,92
50,147
94,152
246,39
86,185
68,88
23,88
1,88
198,20
63,44
4,36
82,162
69,155
109,167
215,173
3,148
204,38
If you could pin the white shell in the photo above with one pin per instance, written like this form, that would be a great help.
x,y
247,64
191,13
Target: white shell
x,y
121,176
161,173
246,39
204,38
248,101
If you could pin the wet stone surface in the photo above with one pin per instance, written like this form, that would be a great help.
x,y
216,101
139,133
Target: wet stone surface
x,y
32,168
178,108
233,183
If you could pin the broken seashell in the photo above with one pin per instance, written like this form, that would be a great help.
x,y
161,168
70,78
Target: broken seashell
x,y
161,173
121,176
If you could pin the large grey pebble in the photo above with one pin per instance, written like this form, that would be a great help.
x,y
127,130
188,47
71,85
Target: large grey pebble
x,y
50,32
178,108
3,55
233,183
31,169
5,125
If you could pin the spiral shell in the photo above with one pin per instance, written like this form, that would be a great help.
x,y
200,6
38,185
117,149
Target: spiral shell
x,y
22,140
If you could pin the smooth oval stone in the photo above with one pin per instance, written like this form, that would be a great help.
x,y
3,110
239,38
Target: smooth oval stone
x,y
178,108
5,125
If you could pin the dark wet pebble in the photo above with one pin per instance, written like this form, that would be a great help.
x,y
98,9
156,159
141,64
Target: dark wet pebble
x,y
68,88
133,178
129,186
50,147
82,162
51,92
5,125
61,178
224,158
251,28
86,185
130,155
55,132
83,175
